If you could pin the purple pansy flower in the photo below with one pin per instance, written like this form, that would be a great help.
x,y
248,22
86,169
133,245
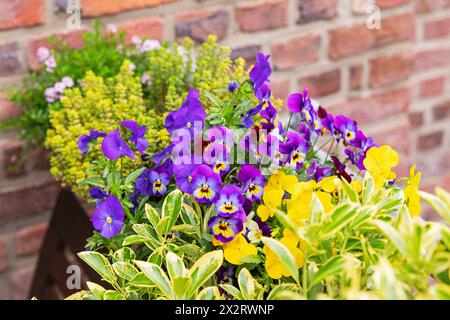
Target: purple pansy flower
x,y
153,182
225,275
253,182
85,140
225,229
205,184
339,169
296,148
230,202
296,101
232,86
217,157
328,123
261,71
346,128
138,133
159,157
97,193
317,173
183,176
114,147
190,114
108,217
248,120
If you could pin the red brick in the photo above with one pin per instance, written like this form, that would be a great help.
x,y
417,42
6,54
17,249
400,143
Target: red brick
x,y
73,39
430,140
21,282
198,24
314,10
29,239
40,159
431,58
27,200
8,110
441,111
377,107
397,135
390,69
94,8
265,15
281,88
387,4
348,41
425,6
322,84
356,76
3,254
432,87
152,27
247,52
437,28
296,51
14,159
9,59
416,119
21,13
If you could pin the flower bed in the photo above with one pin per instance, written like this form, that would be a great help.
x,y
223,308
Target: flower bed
x,y
202,192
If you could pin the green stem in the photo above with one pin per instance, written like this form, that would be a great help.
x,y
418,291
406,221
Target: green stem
x,y
328,153
287,127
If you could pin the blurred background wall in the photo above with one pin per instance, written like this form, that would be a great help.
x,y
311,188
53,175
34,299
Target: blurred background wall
x,y
395,81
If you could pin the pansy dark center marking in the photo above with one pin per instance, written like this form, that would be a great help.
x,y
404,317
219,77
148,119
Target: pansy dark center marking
x,y
335,194
190,178
228,207
252,188
219,166
204,189
157,185
223,226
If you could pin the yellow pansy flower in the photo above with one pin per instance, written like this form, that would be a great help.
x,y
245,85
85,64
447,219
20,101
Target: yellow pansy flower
x,y
237,249
412,192
273,265
379,161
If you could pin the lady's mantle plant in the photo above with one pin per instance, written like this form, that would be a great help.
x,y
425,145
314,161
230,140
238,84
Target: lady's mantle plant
x,y
251,209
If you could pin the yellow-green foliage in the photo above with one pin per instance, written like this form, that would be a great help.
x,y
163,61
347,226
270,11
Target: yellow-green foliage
x,y
101,105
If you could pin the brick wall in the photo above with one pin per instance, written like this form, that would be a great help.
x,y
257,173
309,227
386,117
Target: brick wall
x,y
395,81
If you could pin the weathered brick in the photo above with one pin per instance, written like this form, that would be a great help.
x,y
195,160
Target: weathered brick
x,y
446,183
21,13
9,59
387,4
265,15
314,10
35,196
441,111
247,52
348,41
21,282
376,107
3,254
198,24
296,51
73,39
416,118
356,76
8,110
281,88
387,70
14,159
431,58
437,28
432,87
152,27
430,140
40,159
94,8
425,6
29,239
397,135
322,84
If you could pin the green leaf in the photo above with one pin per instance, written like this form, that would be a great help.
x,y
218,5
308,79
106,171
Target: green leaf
x,y
141,281
232,290
316,210
133,239
246,284
438,205
171,208
350,193
208,293
125,270
157,276
393,236
112,295
96,182
368,187
203,269
180,286
152,215
338,219
331,268
175,266
284,255
96,289
285,291
100,264
134,175
191,250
